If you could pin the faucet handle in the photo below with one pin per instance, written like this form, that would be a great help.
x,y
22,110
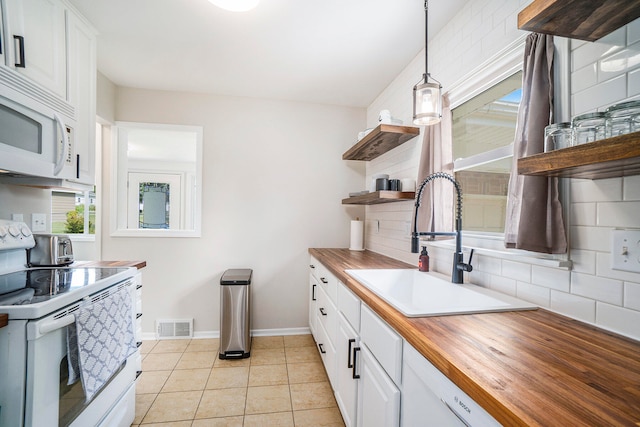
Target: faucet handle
x,y
470,258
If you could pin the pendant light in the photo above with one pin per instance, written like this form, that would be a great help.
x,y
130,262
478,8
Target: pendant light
x,y
427,99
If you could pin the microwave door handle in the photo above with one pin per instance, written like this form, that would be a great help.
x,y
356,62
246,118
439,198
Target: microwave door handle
x,y
63,153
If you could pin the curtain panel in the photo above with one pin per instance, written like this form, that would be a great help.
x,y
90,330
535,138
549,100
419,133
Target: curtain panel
x,y
534,219
437,156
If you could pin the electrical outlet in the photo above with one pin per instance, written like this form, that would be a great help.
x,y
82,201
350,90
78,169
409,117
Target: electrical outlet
x,y
38,222
625,250
17,217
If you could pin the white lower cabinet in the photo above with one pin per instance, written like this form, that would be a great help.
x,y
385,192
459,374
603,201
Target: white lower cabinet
x,y
346,389
369,365
378,395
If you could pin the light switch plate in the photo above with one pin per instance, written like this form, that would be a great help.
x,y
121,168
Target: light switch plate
x,y
625,250
17,217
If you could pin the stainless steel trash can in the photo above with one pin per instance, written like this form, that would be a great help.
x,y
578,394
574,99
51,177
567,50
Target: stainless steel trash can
x,y
235,313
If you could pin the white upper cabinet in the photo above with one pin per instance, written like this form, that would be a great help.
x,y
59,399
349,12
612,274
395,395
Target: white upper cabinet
x,y
82,95
37,42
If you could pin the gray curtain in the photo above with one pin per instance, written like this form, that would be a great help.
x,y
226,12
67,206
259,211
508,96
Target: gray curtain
x,y
534,214
437,156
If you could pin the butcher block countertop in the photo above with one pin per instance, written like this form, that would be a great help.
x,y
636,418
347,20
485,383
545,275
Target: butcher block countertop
x,y
524,367
136,264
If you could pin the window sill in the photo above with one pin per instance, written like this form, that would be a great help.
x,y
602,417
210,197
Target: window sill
x,y
493,246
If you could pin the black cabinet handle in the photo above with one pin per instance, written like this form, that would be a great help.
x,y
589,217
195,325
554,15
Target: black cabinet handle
x,y
20,40
323,280
138,344
322,350
355,355
324,313
312,266
349,364
138,286
313,292
77,166
139,315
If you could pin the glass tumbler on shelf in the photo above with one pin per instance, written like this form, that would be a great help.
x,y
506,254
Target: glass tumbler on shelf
x,y
588,127
557,136
623,118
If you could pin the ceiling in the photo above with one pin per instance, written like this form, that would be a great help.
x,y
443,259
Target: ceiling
x,y
340,52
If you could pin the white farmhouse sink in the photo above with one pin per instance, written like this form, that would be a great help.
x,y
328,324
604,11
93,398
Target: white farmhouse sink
x,y
418,294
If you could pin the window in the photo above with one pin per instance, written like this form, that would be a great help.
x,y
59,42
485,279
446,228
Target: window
x,y
483,131
73,213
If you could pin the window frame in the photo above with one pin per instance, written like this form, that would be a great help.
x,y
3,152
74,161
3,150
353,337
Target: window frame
x,y
502,65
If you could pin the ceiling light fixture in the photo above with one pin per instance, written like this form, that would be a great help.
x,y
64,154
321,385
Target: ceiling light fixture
x,y
236,5
427,100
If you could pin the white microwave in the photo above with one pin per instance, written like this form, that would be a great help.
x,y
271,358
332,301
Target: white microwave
x,y
35,140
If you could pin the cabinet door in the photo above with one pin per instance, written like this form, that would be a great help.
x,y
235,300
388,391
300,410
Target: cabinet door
x,y
378,396
313,305
82,95
346,378
36,29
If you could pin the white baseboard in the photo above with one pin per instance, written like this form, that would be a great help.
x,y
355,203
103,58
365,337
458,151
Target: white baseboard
x,y
151,336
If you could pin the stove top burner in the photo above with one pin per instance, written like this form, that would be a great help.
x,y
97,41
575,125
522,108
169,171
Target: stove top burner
x,y
42,284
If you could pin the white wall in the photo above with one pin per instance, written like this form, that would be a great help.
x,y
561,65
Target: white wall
x,y
603,73
272,183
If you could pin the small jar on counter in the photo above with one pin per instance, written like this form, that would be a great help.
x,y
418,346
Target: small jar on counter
x,y
623,118
588,127
557,136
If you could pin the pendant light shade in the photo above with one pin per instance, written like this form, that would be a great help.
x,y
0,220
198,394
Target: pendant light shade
x,y
427,103
427,97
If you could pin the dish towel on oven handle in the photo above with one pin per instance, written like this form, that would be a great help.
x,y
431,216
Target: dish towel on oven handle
x,y
103,337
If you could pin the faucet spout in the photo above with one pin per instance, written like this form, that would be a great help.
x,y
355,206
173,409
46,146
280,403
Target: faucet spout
x,y
459,267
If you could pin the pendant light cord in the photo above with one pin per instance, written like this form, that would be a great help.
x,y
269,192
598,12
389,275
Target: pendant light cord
x,y
426,40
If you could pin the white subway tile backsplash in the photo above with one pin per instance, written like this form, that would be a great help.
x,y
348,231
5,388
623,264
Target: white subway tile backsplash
x,y
589,53
597,288
601,190
633,32
574,306
591,238
620,214
516,270
487,264
631,188
584,78
536,294
553,278
583,261
504,285
583,214
622,320
603,269
633,83
622,62
632,295
600,96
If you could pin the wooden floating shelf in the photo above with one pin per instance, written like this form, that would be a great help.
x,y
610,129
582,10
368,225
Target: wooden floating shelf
x,y
380,140
379,197
608,158
578,19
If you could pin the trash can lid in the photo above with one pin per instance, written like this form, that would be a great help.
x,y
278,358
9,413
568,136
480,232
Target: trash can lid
x,y
236,276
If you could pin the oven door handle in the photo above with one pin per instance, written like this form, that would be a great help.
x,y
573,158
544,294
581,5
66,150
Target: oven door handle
x,y
52,325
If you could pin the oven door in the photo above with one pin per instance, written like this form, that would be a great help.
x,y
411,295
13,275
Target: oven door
x,y
50,401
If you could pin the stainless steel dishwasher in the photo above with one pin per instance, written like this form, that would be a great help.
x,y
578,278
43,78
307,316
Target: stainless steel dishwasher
x,y
235,313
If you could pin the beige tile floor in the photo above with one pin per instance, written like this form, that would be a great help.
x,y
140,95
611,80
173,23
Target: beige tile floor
x,y
283,383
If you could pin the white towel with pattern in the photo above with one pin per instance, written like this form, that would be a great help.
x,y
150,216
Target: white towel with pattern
x,y
105,339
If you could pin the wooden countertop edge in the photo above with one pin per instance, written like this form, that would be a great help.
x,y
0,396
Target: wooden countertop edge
x,y
4,320
137,264
413,330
